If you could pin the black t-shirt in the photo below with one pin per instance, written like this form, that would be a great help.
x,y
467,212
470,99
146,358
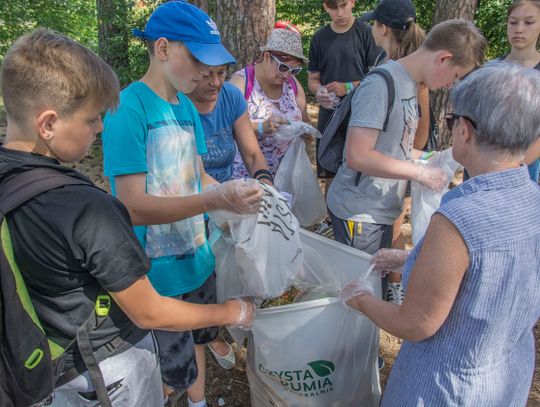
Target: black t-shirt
x,y
342,57
69,242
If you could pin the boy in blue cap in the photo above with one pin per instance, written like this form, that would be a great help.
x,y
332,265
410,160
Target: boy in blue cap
x,y
152,146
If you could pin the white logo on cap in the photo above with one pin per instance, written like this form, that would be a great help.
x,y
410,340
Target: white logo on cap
x,y
214,30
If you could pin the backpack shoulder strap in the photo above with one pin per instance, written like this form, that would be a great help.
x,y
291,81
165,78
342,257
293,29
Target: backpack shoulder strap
x,y
249,72
23,186
391,92
294,87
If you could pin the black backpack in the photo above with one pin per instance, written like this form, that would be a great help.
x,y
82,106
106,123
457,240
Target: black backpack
x,y
332,144
30,363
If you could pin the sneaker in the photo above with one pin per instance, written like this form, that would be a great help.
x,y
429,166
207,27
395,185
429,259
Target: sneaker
x,y
394,294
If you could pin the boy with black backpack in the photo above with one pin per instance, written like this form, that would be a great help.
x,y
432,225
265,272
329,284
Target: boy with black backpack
x,y
70,265
367,192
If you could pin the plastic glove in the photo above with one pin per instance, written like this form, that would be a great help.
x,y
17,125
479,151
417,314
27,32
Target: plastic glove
x,y
273,123
239,196
353,289
389,260
246,313
433,178
356,287
324,98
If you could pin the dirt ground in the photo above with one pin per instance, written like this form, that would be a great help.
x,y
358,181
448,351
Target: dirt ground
x,y
230,388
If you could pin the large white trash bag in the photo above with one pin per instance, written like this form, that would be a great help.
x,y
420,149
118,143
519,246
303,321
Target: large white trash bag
x,y
268,252
317,353
296,176
425,201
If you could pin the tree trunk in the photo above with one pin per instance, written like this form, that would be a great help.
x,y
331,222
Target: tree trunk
x,y
202,4
113,36
446,10
245,26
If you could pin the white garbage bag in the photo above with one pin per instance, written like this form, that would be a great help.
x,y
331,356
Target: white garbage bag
x,y
296,176
317,353
425,201
268,253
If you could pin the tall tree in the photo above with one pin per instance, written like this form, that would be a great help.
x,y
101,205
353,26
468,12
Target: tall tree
x,y
245,26
113,36
202,4
446,10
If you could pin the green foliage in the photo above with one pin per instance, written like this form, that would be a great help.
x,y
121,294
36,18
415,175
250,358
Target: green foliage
x,y
138,55
491,19
76,18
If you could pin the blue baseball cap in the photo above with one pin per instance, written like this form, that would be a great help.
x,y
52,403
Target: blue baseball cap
x,y
181,21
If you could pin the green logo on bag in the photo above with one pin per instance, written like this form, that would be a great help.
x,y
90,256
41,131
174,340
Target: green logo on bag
x,y
312,381
322,367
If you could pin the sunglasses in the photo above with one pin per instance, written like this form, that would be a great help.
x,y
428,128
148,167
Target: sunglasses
x,y
452,118
284,68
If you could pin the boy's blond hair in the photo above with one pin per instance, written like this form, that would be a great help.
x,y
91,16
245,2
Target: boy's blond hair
x,y
44,69
461,38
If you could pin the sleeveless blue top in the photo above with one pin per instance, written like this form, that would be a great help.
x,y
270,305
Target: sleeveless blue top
x,y
483,354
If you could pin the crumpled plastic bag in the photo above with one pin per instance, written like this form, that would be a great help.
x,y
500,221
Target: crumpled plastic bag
x,y
296,129
425,201
268,253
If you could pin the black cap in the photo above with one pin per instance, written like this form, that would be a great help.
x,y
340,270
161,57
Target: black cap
x,y
393,13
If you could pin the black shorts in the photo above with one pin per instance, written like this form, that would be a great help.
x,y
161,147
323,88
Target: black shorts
x,y
176,349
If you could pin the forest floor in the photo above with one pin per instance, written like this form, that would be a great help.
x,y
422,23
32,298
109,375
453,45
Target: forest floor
x,y
230,388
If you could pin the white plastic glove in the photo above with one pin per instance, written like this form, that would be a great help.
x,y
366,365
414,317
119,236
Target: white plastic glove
x,y
360,286
238,196
389,260
324,98
433,178
246,313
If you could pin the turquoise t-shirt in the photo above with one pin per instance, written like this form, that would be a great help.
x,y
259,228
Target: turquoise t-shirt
x,y
147,134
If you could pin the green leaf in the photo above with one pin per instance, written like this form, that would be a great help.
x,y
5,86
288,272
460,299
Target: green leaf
x,y
322,367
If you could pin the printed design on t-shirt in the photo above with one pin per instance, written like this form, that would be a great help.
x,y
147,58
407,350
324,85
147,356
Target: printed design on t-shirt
x,y
221,152
173,171
260,108
410,120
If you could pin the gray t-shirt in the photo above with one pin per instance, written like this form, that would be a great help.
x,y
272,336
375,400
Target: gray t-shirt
x,y
374,199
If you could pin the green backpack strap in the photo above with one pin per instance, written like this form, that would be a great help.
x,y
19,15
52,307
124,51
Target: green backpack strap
x,y
98,316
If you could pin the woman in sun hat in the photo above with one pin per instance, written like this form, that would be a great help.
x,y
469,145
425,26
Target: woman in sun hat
x,y
273,94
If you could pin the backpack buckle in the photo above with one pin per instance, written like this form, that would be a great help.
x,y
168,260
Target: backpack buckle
x,y
103,304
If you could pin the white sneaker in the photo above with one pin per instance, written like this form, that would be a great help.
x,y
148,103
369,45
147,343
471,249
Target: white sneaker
x,y
394,293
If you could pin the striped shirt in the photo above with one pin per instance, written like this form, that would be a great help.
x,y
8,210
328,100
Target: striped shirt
x,y
483,354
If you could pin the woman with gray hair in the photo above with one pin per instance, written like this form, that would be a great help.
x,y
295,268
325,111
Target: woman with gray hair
x,y
472,283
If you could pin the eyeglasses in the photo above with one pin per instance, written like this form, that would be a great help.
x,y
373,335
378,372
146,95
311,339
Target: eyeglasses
x,y
284,68
451,119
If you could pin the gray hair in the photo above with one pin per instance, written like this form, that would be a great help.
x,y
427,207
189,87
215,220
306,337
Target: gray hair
x,y
503,100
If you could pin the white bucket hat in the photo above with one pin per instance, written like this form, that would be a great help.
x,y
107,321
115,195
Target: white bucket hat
x,y
286,41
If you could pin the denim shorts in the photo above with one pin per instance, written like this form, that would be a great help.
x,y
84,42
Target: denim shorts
x,y
176,349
